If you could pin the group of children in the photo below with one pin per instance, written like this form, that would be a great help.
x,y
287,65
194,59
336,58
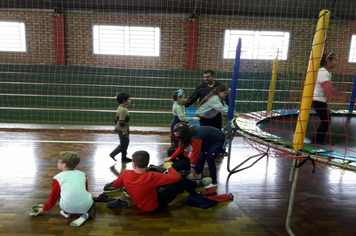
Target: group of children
x,y
70,186
195,146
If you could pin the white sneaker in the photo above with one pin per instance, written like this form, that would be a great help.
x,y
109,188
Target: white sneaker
x,y
192,177
211,186
65,215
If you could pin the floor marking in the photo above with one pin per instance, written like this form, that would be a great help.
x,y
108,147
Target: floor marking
x,y
63,141
92,142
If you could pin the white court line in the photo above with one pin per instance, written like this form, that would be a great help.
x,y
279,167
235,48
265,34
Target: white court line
x,y
61,141
92,142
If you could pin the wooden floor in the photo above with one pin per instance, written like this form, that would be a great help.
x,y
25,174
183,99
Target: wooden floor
x,y
324,205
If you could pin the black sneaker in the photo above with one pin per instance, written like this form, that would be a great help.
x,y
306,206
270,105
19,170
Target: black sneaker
x,y
126,160
117,203
108,188
103,199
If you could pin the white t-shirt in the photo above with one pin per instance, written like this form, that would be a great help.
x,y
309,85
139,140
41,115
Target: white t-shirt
x,y
323,76
70,187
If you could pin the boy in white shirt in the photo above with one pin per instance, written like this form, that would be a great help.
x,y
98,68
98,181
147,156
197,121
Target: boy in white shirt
x,y
70,186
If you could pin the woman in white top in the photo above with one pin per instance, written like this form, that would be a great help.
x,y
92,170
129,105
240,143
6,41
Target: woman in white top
x,y
322,92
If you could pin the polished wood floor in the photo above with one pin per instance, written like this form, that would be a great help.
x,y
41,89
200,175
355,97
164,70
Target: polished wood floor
x,y
324,205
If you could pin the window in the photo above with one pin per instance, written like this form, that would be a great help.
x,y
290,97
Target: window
x,y
352,54
12,36
126,40
260,45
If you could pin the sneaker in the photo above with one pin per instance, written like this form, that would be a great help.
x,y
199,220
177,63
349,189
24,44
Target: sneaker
x,y
103,199
192,177
117,203
125,192
211,185
203,182
126,160
108,188
65,215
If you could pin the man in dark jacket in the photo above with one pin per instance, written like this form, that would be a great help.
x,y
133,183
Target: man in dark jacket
x,y
203,90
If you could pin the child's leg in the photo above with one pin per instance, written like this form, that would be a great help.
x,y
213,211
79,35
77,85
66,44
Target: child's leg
x,y
92,211
212,167
169,193
117,150
201,161
213,153
124,145
182,164
78,222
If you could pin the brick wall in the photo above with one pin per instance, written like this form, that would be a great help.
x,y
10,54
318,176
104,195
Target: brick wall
x,y
40,38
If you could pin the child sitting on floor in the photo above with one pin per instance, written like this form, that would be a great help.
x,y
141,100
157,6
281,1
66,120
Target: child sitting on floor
x,y
70,186
142,185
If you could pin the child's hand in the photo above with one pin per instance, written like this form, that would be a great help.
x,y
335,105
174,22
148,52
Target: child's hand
x,y
39,212
167,159
192,170
196,118
167,165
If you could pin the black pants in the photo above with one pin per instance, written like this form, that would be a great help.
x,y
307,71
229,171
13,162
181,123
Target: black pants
x,y
322,110
209,155
124,143
169,193
181,163
214,122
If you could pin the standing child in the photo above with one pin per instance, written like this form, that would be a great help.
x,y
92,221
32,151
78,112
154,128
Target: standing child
x,y
204,143
178,111
122,127
70,186
322,92
211,105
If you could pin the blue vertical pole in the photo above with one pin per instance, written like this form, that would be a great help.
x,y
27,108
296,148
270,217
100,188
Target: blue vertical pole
x,y
235,77
353,95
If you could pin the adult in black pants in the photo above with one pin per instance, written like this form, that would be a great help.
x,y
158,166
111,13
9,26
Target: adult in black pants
x,y
322,92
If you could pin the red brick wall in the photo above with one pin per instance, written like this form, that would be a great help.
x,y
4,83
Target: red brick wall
x,y
40,38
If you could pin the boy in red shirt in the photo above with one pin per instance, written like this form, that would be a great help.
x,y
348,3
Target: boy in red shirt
x,y
142,185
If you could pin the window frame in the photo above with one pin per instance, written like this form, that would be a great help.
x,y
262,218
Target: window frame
x,y
281,58
352,51
157,35
23,37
